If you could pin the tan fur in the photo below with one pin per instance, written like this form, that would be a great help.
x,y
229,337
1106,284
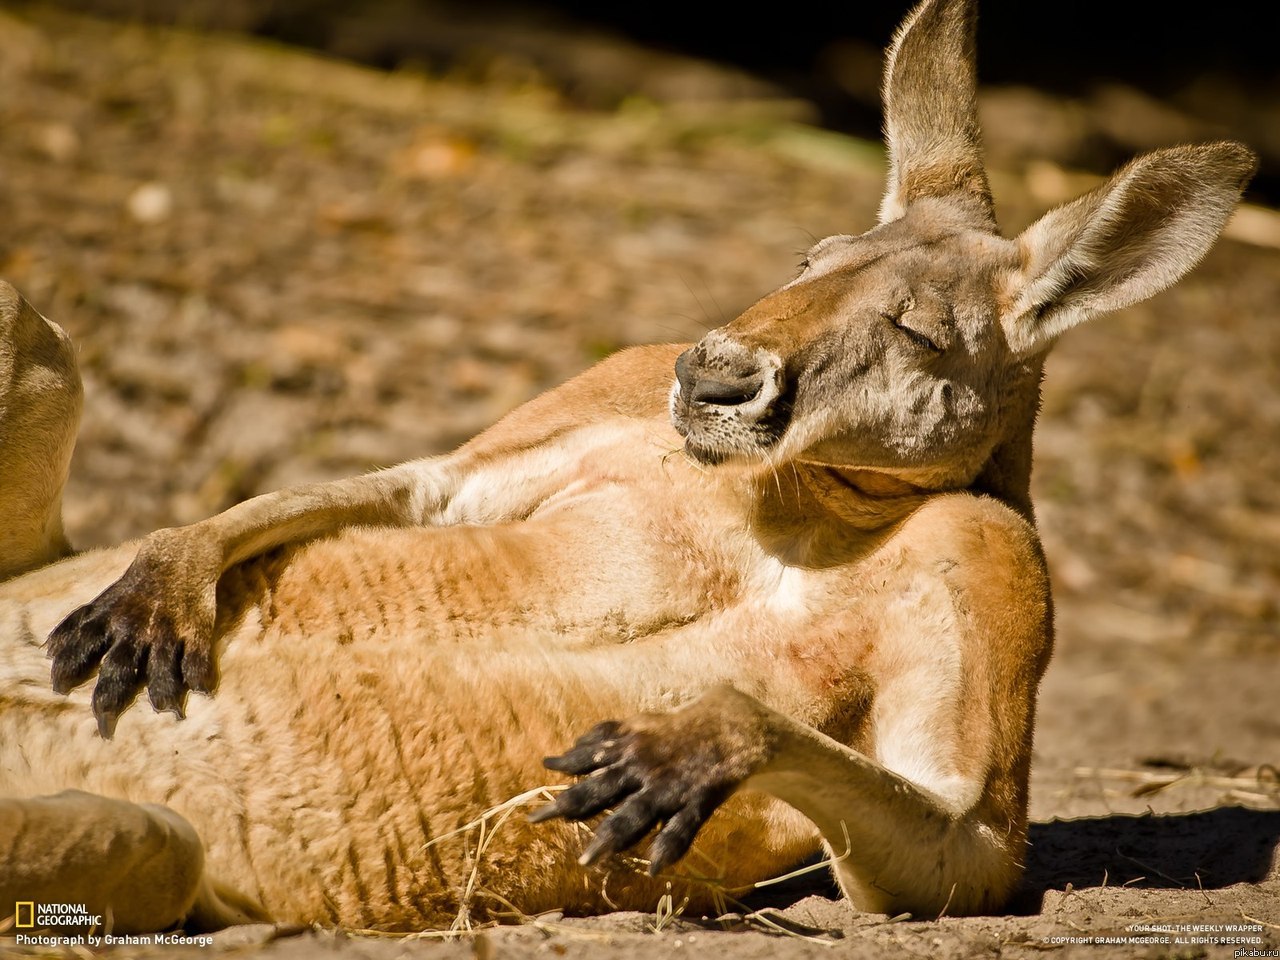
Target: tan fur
x,y
833,598
40,398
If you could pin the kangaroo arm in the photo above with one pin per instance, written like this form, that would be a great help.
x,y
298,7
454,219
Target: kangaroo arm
x,y
155,625
393,497
895,845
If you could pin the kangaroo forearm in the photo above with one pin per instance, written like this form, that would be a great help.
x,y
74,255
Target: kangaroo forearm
x,y
399,496
895,846
826,780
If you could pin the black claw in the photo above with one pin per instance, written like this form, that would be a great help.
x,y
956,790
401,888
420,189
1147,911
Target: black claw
x,y
598,792
164,680
623,829
69,671
588,797
76,646
596,749
61,635
107,717
109,703
653,771
548,812
675,838
584,759
107,725
198,671
119,680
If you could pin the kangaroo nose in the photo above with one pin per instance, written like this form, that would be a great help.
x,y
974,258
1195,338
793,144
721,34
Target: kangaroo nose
x,y
723,391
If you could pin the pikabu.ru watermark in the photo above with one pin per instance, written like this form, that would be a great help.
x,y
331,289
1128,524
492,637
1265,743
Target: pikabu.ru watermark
x,y
75,925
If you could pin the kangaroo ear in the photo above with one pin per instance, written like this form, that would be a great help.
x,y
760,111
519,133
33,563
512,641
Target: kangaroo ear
x,y
1127,240
931,115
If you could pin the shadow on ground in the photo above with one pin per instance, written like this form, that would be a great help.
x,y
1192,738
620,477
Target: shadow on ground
x,y
1209,850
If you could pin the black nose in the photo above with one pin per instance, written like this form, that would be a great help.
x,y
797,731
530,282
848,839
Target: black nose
x,y
724,390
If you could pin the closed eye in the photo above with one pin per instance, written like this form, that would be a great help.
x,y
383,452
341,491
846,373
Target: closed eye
x,y
914,335
917,337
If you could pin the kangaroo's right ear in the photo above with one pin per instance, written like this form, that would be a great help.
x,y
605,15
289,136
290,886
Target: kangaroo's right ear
x,y
1127,240
931,113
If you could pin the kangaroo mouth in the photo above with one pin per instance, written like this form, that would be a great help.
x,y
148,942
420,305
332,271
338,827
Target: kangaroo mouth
x,y
707,456
730,402
715,435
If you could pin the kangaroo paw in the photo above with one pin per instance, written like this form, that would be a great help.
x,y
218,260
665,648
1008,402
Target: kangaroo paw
x,y
669,771
149,628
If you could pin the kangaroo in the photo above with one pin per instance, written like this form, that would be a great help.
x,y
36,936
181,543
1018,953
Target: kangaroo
x,y
797,560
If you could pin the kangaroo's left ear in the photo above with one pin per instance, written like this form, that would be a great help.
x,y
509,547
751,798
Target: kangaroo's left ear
x,y
1127,240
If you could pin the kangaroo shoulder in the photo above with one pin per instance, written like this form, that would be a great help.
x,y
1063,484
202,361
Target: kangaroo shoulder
x,y
630,384
970,529
991,560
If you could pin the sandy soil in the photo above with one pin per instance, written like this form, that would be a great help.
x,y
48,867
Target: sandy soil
x,y
280,268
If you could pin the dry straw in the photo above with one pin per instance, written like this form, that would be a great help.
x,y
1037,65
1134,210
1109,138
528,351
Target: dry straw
x,y
478,835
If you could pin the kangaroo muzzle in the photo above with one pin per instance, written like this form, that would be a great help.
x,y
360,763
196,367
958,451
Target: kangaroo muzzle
x,y
727,401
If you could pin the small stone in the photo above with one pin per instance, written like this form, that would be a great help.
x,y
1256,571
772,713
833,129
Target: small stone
x,y
150,203
58,141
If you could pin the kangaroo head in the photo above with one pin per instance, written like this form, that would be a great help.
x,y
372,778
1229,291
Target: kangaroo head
x,y
915,349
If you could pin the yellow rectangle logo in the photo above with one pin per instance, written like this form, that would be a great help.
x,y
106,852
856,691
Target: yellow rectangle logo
x,y
24,915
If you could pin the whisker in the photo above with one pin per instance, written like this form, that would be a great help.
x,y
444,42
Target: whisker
x,y
702,322
724,317
708,323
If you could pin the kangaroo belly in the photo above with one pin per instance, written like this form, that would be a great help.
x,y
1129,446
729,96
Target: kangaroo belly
x,y
382,689
327,784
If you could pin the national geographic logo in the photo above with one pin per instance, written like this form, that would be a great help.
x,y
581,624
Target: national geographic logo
x,y
72,925
29,915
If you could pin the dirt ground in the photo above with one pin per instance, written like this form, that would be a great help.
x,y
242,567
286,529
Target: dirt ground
x,y
281,268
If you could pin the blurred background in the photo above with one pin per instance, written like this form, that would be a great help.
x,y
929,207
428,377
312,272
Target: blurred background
x,y
295,240
1142,73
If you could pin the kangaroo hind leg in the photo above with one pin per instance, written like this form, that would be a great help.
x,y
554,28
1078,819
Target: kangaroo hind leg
x,y
137,867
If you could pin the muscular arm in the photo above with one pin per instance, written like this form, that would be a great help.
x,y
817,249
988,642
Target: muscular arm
x,y
154,625
895,845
